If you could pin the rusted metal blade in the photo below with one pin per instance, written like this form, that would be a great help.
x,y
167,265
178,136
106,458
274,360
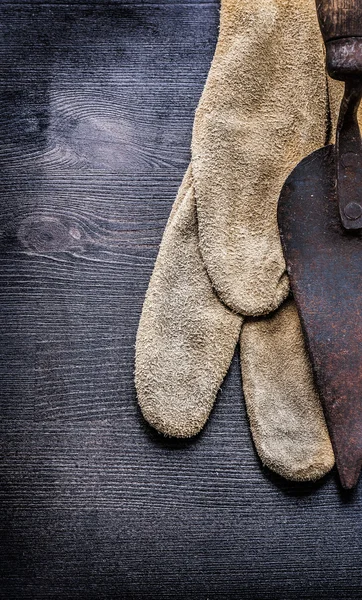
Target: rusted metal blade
x,y
324,262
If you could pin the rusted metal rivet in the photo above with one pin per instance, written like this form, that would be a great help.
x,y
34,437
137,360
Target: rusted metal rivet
x,y
353,211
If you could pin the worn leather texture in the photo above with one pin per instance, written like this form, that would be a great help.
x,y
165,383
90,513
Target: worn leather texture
x,y
187,336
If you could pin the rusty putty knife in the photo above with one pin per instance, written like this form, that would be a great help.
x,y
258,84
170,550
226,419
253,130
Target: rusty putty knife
x,y
320,222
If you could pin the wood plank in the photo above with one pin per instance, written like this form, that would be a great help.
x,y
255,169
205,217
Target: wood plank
x,y
97,103
75,93
76,255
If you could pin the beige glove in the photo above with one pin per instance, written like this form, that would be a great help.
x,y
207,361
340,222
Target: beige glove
x,y
264,107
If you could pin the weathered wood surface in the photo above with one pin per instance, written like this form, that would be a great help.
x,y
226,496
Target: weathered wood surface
x,y
97,103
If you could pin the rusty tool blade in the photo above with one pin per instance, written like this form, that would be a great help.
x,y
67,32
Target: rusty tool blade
x,y
324,262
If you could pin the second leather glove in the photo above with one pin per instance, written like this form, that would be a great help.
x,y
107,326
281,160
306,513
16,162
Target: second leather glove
x,y
185,343
257,117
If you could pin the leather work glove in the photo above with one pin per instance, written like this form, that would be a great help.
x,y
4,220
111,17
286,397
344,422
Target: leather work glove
x,y
220,274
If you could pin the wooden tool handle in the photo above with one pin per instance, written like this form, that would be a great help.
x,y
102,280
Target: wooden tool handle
x,y
339,18
341,26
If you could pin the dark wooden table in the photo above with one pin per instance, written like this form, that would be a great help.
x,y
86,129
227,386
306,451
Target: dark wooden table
x,y
97,103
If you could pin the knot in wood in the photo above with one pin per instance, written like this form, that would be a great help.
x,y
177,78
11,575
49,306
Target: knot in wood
x,y
44,234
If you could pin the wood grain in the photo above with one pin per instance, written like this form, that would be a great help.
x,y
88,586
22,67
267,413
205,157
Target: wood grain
x,y
97,103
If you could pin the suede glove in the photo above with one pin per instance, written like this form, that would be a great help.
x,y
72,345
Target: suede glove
x,y
220,274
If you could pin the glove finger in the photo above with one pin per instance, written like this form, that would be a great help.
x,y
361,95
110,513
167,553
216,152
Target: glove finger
x,y
264,108
186,336
286,418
